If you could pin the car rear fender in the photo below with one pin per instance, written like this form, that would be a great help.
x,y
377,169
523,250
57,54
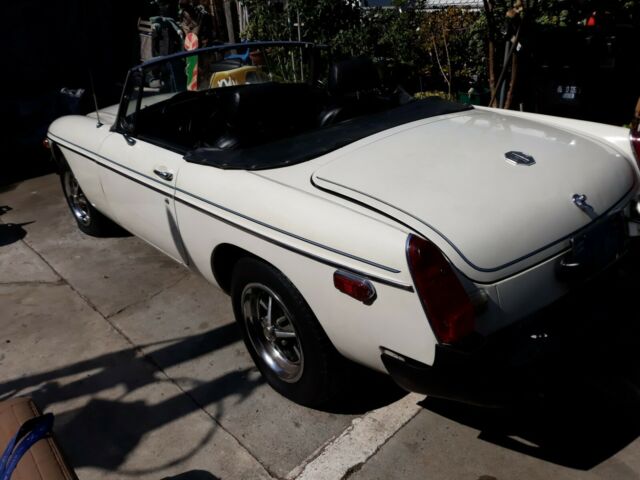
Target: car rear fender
x,y
308,252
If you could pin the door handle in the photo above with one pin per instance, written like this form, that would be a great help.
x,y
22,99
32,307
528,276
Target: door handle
x,y
129,139
163,174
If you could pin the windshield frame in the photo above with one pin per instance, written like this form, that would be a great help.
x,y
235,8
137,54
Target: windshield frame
x,y
123,127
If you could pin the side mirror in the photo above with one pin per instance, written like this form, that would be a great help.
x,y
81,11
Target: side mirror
x,y
126,128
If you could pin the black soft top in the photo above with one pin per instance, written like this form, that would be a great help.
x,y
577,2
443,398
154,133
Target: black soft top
x,y
320,141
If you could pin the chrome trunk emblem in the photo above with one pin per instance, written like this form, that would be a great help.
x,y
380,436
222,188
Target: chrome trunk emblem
x,y
519,158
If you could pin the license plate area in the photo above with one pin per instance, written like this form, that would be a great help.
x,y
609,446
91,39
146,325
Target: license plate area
x,y
595,248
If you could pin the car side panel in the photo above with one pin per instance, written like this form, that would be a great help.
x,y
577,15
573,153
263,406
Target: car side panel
x,y
395,320
141,201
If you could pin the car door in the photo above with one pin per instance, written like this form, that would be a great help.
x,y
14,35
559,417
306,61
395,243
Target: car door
x,y
139,186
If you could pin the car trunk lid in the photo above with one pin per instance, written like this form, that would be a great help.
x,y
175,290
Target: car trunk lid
x,y
451,177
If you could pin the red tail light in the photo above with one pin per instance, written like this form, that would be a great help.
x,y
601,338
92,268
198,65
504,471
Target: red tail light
x,y
445,301
635,138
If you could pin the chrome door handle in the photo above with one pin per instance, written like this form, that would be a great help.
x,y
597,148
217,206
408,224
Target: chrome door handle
x,y
163,174
129,139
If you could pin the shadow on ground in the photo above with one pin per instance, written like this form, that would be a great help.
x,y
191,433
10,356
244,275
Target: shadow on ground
x,y
580,404
193,475
11,233
367,390
104,431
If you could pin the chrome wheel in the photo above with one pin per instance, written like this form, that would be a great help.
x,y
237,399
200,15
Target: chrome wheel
x,y
271,332
76,198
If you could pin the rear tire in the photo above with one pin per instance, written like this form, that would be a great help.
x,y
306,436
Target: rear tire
x,y
87,217
283,336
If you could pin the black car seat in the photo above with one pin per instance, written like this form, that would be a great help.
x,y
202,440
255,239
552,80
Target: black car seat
x,y
263,112
355,89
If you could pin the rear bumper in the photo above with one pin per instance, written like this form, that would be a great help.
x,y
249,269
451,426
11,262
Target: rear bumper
x,y
511,362
488,376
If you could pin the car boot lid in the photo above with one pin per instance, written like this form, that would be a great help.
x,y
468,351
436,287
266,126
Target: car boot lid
x,y
498,194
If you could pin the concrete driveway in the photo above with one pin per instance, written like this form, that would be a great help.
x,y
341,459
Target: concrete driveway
x,y
144,368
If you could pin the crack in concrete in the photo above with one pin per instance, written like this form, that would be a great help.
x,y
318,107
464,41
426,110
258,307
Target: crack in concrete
x,y
185,276
35,282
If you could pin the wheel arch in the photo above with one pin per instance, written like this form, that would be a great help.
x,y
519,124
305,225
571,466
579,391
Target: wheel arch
x,y
58,157
223,260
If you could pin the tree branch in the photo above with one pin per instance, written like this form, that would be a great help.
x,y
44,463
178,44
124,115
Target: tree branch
x,y
435,50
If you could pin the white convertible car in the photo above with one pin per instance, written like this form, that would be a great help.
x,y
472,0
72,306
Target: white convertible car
x,y
348,220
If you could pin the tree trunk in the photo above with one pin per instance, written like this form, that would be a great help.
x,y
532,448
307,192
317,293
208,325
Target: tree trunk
x,y
488,13
512,84
229,18
492,72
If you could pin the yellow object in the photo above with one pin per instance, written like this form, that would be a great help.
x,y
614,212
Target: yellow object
x,y
237,76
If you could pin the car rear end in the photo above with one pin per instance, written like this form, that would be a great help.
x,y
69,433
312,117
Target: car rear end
x,y
490,336
489,322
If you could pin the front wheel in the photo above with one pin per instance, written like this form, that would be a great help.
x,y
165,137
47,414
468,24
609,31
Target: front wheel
x,y
284,338
88,218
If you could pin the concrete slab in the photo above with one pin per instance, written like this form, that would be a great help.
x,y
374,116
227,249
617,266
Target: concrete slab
x,y
18,263
434,447
575,415
111,273
182,322
200,347
359,442
116,415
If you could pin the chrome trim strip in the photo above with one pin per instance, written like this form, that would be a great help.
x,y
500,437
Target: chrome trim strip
x,y
459,252
273,241
88,153
140,182
375,278
293,235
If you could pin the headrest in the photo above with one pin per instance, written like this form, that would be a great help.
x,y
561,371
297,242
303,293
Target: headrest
x,y
270,109
353,76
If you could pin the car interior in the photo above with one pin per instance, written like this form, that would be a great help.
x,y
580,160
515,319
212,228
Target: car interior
x,y
247,115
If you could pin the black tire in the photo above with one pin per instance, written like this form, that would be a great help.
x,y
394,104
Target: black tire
x,y
323,371
87,217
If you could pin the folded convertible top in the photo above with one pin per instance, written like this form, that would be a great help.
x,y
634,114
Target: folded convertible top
x,y
314,143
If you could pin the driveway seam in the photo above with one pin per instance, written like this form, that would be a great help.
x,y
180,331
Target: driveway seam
x,y
148,358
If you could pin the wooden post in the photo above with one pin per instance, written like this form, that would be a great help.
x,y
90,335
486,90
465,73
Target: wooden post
x,y
638,109
229,18
214,18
